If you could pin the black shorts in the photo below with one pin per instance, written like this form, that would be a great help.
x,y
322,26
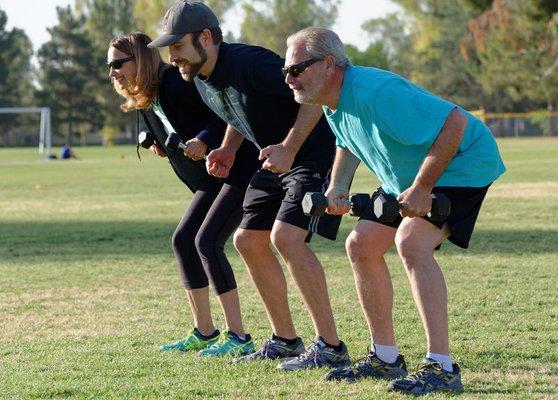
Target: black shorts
x,y
465,206
272,196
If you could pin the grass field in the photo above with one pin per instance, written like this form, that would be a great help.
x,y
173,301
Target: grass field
x,y
89,287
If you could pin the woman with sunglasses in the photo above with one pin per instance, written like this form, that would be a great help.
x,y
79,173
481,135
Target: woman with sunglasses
x,y
159,93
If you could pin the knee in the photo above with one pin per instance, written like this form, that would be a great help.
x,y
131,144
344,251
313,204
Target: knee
x,y
245,242
361,249
409,247
282,239
182,240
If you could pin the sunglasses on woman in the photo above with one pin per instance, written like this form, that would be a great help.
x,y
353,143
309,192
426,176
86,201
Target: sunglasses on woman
x,y
117,64
297,69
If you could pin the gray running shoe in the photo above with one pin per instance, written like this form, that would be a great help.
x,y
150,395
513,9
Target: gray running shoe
x,y
316,356
429,378
274,349
370,366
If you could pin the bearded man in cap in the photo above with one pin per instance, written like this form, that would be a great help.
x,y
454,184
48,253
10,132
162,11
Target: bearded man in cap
x,y
244,85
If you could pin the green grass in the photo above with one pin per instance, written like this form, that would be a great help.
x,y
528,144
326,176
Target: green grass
x,y
89,287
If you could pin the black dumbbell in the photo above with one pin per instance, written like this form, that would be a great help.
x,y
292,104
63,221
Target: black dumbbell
x,y
314,204
145,139
386,207
173,142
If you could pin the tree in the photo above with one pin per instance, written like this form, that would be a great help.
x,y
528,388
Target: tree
x,y
16,88
106,19
66,79
374,55
390,34
268,23
515,47
434,59
148,14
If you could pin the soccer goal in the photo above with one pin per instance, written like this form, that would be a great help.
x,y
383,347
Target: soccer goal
x,y
45,133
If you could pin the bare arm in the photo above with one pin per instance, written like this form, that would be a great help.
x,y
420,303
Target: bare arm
x,y
280,156
416,200
344,168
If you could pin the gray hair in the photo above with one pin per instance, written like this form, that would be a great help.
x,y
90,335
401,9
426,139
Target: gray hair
x,y
321,42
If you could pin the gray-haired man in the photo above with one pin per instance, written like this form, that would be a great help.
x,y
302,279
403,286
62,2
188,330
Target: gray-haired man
x,y
416,144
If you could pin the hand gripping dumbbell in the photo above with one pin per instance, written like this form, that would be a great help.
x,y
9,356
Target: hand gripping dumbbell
x,y
173,142
145,139
314,204
386,207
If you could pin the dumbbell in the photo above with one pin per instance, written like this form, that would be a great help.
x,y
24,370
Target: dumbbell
x,y
386,207
314,204
145,139
173,142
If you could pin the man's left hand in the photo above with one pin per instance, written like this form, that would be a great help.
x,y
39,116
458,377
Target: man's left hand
x,y
415,202
279,158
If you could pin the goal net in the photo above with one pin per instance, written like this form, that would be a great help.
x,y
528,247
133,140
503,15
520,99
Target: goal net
x,y
45,133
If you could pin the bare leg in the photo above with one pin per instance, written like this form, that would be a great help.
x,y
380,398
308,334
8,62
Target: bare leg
x,y
267,275
199,304
231,309
309,276
366,246
416,239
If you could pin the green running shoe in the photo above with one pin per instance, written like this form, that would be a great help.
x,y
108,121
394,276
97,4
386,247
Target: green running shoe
x,y
229,345
194,341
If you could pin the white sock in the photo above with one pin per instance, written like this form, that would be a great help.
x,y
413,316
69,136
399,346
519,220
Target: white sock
x,y
443,359
387,354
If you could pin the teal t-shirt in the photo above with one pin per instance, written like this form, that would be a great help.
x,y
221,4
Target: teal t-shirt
x,y
390,124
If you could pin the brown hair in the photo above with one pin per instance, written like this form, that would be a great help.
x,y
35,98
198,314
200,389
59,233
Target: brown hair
x,y
149,69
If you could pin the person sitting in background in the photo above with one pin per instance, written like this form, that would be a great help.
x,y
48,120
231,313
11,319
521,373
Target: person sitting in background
x,y
157,90
66,153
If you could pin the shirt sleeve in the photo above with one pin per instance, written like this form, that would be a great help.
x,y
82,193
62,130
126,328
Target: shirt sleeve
x,y
213,132
407,113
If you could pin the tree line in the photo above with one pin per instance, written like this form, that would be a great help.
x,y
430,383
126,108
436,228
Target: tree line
x,y
500,55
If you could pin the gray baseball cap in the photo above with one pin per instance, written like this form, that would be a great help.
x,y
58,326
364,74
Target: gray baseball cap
x,y
182,18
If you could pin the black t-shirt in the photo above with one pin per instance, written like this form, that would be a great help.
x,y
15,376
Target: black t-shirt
x,y
247,90
190,117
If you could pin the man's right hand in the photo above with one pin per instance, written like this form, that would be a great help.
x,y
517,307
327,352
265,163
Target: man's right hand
x,y
157,150
337,200
219,162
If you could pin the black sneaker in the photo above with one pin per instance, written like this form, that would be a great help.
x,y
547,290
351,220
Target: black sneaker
x,y
274,349
370,366
429,378
316,356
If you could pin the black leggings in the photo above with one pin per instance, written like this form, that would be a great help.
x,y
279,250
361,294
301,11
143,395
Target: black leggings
x,y
200,237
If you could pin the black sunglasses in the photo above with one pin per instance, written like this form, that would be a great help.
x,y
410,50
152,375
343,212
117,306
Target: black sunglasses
x,y
297,69
117,64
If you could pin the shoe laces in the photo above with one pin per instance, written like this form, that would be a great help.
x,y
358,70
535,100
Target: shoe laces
x,y
311,353
424,369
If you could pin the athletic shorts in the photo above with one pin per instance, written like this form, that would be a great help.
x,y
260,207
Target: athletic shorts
x,y
465,206
272,196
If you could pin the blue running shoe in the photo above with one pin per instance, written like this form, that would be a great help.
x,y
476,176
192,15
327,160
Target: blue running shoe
x,y
370,366
274,349
429,378
316,356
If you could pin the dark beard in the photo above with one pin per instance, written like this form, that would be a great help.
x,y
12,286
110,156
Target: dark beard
x,y
195,67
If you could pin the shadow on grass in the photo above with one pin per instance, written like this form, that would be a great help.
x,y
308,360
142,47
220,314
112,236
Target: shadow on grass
x,y
22,239
520,241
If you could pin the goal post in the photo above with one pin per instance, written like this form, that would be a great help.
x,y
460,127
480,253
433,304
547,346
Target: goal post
x,y
45,130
